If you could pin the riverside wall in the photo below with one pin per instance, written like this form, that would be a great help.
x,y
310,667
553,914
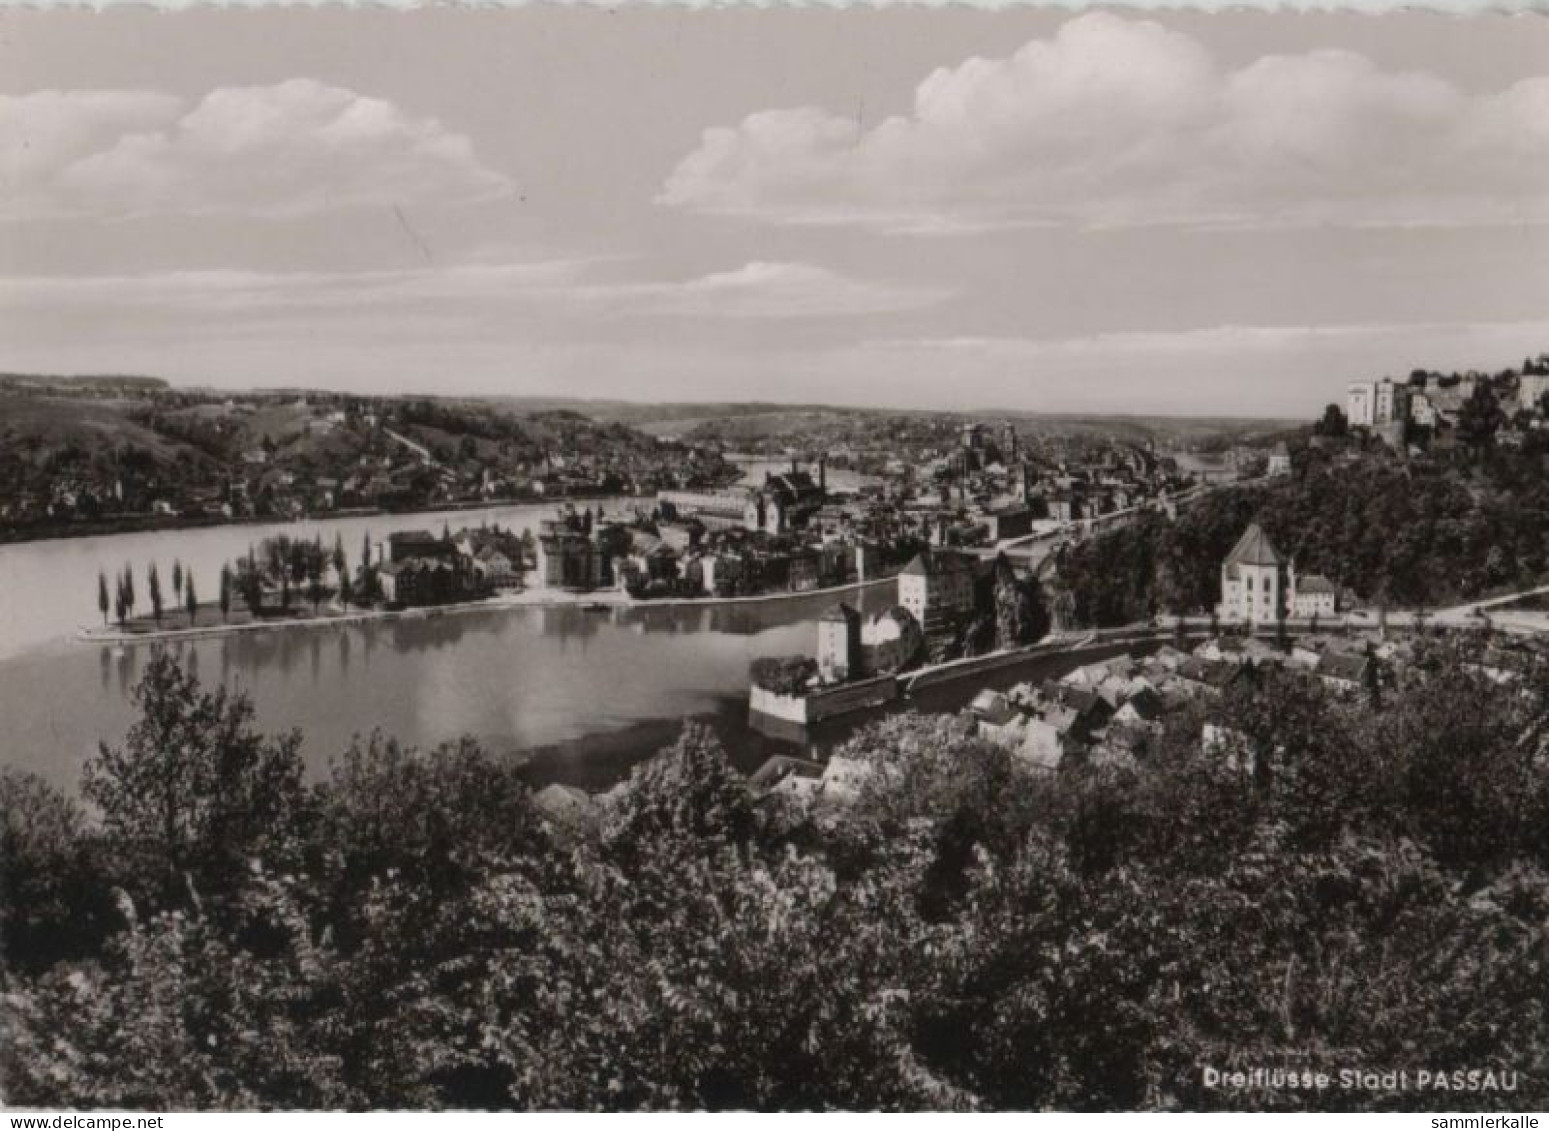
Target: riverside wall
x,y
824,703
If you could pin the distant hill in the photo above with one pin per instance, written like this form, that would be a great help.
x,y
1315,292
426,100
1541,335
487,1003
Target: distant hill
x,y
106,383
726,421
43,426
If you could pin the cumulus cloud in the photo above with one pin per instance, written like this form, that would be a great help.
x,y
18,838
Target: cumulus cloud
x,y
1119,122
294,147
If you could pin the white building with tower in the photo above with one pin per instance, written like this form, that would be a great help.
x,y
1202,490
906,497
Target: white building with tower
x,y
1258,584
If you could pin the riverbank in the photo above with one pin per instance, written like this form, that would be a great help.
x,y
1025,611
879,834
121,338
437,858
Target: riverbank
x,y
602,600
159,524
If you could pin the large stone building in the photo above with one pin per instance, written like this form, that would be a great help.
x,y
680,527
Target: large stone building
x,y
786,501
723,508
1360,403
1392,402
1371,404
937,588
567,557
782,503
852,647
839,643
1258,584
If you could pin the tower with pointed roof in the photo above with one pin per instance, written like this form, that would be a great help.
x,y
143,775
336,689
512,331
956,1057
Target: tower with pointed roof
x,y
1258,583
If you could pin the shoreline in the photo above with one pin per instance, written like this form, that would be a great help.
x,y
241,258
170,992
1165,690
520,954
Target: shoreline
x,y
610,599
152,524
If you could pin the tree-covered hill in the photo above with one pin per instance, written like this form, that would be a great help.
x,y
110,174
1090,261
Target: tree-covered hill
x,y
1408,532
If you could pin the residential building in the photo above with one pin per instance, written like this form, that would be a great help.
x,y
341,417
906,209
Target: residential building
x,y
937,588
1314,596
406,544
1531,388
997,719
1343,671
1280,460
496,567
783,776
1050,736
427,581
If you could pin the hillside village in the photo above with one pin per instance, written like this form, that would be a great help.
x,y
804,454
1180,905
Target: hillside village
x,y
99,455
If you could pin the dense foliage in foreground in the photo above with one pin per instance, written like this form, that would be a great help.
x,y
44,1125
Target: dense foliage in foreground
x,y
961,934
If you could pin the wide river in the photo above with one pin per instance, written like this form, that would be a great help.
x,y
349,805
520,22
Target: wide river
x,y
582,695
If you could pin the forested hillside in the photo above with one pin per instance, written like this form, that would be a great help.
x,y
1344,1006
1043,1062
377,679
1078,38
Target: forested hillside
x,y
1407,532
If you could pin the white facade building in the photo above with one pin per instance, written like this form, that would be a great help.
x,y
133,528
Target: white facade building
x,y
1361,402
1258,585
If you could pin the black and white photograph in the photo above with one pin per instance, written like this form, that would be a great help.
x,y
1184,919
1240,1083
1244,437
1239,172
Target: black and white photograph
x,y
830,558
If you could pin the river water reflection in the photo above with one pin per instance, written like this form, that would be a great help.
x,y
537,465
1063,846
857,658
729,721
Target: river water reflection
x,y
584,692
580,694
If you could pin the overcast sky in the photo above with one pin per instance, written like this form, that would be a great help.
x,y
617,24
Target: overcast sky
x,y
1231,214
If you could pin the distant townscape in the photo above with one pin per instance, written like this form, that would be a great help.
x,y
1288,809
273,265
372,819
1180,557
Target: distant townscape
x,y
998,532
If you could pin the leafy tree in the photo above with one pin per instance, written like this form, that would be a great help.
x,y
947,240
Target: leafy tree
x,y
1332,423
181,1014
194,789
444,818
191,600
177,578
102,595
958,931
153,582
1480,417
252,586
225,593
783,675
689,794
52,883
